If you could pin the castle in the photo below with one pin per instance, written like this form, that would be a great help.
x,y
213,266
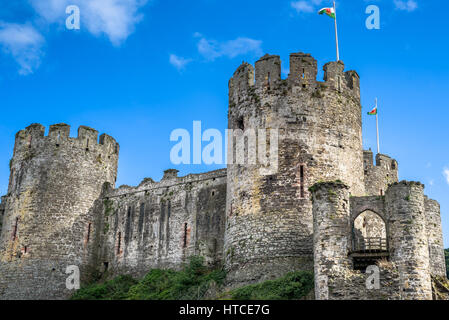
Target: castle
x,y
328,207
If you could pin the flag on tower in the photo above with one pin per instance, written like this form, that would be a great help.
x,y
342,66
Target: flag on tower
x,y
329,11
332,12
373,112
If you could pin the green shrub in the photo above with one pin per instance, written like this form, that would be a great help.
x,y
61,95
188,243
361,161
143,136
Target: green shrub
x,y
191,283
115,289
294,285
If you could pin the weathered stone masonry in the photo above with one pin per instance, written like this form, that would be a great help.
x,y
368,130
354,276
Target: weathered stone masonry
x,y
62,207
54,181
410,257
160,224
320,138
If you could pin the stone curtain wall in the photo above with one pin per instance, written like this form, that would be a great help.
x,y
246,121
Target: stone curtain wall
x,y
54,182
269,220
161,224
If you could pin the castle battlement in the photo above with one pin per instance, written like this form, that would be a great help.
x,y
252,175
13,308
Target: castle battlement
x,y
379,176
266,77
169,180
33,137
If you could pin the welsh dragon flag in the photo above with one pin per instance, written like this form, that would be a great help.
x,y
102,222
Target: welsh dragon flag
x,y
373,112
329,11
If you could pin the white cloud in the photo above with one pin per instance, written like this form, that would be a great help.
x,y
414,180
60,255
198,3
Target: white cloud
x,y
406,5
212,49
24,43
302,6
179,62
306,6
446,174
114,18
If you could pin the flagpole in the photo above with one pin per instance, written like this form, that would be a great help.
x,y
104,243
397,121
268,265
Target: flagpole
x,y
377,127
336,33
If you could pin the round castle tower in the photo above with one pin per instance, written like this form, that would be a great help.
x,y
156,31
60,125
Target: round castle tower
x,y
269,216
48,224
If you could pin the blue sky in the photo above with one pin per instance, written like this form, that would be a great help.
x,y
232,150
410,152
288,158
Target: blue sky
x,y
139,69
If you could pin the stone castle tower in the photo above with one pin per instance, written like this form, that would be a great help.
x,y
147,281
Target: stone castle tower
x,y
326,207
320,138
54,182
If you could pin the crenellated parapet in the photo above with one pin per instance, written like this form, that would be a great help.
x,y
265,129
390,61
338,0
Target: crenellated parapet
x,y
303,68
380,175
33,137
266,76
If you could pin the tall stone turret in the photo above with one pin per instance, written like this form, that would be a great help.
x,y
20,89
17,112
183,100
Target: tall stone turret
x,y
435,237
48,225
331,226
319,126
408,242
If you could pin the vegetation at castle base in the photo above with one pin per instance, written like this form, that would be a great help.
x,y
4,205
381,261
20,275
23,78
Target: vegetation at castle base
x,y
195,282
446,255
293,286
115,289
191,283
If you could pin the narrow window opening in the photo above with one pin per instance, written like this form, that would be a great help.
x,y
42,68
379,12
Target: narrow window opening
x,y
213,193
268,79
240,124
381,192
185,236
303,73
14,233
88,231
301,181
119,242
11,177
87,145
106,266
25,249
